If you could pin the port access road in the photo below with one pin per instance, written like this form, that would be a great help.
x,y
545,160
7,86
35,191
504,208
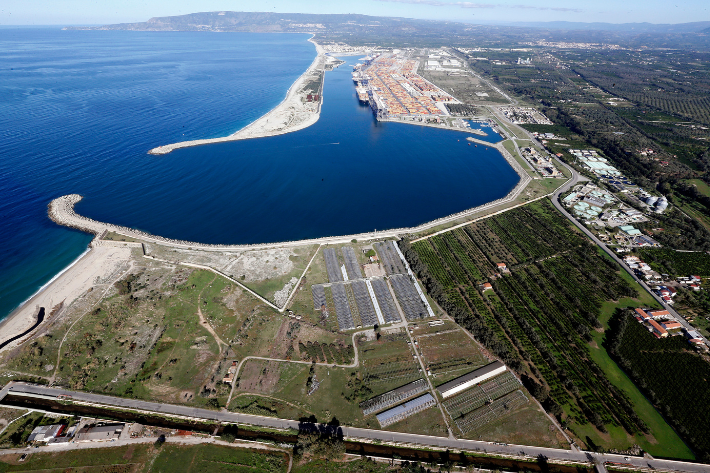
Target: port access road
x,y
26,390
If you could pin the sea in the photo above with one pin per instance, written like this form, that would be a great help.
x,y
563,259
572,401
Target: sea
x,y
80,109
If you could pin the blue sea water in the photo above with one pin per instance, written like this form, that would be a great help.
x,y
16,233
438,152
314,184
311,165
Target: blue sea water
x,y
80,109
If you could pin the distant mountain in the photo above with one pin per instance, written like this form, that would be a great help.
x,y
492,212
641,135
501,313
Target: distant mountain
x,y
290,22
364,30
273,22
695,27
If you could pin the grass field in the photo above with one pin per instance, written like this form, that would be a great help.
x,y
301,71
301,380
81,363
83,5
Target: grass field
x,y
524,426
301,256
702,186
149,458
427,422
353,466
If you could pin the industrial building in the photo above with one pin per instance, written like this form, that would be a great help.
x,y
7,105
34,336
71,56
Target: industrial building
x,y
405,410
471,379
390,398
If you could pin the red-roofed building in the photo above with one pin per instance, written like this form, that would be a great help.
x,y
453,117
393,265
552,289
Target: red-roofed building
x,y
671,325
657,330
486,286
659,314
641,315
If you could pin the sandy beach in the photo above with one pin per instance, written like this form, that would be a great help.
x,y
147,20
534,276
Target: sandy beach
x,y
99,265
292,114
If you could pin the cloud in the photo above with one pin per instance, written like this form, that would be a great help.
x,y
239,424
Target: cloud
x,y
437,3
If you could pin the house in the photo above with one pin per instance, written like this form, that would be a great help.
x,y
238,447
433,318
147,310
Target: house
x,y
93,433
694,338
502,267
694,287
230,373
657,330
486,286
695,278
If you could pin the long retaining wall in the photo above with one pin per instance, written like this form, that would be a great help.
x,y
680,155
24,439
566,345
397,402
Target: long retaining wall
x,y
61,211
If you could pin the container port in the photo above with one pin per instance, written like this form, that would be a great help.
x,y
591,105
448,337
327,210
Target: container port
x,y
389,83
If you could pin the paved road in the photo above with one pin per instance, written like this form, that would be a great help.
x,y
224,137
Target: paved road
x,y
355,433
556,202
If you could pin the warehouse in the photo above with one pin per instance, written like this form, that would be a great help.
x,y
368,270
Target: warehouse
x,y
471,379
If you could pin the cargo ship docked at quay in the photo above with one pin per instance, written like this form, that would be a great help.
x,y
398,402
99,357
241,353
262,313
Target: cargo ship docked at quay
x,y
360,80
390,85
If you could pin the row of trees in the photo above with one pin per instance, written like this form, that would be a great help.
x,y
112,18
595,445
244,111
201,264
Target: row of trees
x,y
669,373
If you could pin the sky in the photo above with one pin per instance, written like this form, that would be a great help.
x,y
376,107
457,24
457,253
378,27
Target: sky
x,y
97,12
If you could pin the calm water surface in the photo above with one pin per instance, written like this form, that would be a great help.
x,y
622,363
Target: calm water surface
x,y
79,110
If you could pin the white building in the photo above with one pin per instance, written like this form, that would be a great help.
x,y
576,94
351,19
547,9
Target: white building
x,y
471,379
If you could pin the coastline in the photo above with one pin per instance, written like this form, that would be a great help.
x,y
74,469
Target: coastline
x,y
95,266
292,114
101,260
102,263
14,315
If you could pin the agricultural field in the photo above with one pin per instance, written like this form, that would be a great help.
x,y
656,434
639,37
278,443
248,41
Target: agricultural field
x,y
672,376
149,458
676,263
540,317
427,422
449,355
388,363
294,390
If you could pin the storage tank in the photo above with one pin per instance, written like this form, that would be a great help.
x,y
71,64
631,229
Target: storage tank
x,y
661,205
651,200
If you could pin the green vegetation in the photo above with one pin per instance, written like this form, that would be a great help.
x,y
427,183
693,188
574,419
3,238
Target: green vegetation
x,y
558,290
676,263
149,458
356,466
671,375
213,458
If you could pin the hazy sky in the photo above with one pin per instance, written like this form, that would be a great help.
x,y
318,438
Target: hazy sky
x,y
65,12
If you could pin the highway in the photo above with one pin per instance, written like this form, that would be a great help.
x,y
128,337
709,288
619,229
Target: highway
x,y
353,433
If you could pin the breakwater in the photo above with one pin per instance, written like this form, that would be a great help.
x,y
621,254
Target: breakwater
x,y
292,114
61,211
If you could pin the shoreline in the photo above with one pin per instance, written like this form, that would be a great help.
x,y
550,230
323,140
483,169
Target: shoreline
x,y
96,266
289,109
61,210
35,295
72,282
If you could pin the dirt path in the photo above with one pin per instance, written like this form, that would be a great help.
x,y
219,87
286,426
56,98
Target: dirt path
x,y
354,364
274,399
203,322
